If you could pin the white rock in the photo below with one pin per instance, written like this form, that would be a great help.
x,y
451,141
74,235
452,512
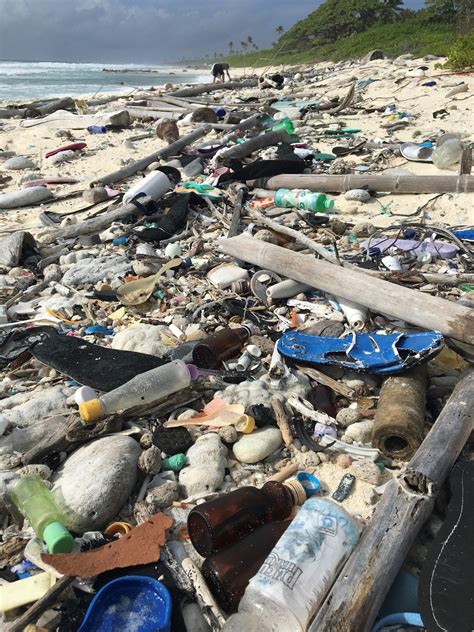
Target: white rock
x,y
24,409
19,162
348,416
93,484
360,431
358,195
98,269
366,471
256,446
142,339
207,460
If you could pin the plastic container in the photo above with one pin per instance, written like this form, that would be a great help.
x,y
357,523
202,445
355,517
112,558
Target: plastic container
x,y
303,200
448,151
34,500
141,390
97,129
297,575
134,602
154,185
286,125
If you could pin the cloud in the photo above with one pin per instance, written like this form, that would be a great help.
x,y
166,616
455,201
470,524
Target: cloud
x,y
148,31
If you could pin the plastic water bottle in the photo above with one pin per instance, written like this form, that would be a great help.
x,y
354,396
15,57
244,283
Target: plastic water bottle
x,y
303,200
297,575
141,390
285,124
34,500
154,185
449,148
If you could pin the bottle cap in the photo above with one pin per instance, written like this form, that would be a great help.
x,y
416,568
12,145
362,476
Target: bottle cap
x,y
57,538
310,483
246,424
118,528
91,410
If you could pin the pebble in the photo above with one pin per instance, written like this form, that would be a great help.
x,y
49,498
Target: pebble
x,y
360,431
228,434
258,445
95,195
19,162
363,229
150,461
358,195
162,496
95,481
207,460
347,416
344,460
367,471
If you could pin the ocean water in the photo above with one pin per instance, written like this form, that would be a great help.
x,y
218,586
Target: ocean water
x,y
35,80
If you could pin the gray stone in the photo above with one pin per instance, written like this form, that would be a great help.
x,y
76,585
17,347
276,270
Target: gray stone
x,y
24,197
162,496
52,272
348,416
358,195
95,195
263,390
150,460
228,434
19,162
95,481
367,471
256,446
364,229
98,269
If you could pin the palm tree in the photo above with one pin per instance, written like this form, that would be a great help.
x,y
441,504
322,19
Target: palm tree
x,y
231,47
280,30
250,40
244,45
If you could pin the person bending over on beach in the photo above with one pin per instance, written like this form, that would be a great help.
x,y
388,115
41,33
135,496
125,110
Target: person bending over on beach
x,y
218,71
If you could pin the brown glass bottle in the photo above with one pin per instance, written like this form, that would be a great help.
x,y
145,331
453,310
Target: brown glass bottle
x,y
218,523
322,398
224,344
228,572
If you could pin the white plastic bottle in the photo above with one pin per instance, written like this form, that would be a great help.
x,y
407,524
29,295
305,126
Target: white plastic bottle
x,y
297,575
155,185
448,151
143,389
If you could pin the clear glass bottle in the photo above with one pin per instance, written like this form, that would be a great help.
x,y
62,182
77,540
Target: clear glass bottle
x,y
33,499
297,575
141,390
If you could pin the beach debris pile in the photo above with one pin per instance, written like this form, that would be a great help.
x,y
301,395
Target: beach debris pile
x,y
235,340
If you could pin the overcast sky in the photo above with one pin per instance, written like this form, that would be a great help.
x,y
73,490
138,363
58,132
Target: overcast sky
x,y
140,31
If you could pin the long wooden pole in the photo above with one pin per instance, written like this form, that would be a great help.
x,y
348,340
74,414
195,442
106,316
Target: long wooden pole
x,y
211,87
429,312
357,595
390,184
247,148
165,152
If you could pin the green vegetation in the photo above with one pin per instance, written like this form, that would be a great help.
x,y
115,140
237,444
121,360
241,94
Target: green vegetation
x,y
340,29
461,54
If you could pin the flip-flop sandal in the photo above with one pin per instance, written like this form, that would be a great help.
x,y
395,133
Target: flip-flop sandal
x,y
376,353
417,153
447,577
84,362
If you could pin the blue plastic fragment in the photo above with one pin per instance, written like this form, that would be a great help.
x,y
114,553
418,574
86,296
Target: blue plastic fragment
x,y
99,330
376,353
133,602
465,234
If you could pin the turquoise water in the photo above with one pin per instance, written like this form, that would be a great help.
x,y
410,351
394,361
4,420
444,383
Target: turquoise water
x,y
33,80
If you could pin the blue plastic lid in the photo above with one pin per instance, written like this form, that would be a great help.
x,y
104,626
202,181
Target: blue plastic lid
x,y
310,483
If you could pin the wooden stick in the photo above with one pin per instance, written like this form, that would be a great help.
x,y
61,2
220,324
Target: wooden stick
x,y
357,595
247,148
390,184
322,378
234,224
285,473
429,312
245,124
282,422
212,87
165,152
36,610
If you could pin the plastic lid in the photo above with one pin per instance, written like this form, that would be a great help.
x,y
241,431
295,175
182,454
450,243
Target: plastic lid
x,y
246,424
91,410
57,538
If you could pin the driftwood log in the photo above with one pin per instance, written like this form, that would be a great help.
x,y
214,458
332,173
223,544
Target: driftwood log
x,y
390,184
259,142
357,595
429,312
247,123
212,87
165,152
150,113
